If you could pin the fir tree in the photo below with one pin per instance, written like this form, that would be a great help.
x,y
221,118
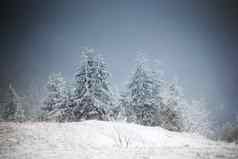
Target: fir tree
x,y
93,94
56,96
143,91
151,100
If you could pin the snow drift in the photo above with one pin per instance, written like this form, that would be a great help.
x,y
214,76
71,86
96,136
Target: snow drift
x,y
102,140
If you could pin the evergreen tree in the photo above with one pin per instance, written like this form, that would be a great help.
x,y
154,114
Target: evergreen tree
x,y
13,109
150,100
93,94
9,108
170,114
143,91
56,96
190,116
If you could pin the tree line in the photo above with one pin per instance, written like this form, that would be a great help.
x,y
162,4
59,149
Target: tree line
x,y
148,98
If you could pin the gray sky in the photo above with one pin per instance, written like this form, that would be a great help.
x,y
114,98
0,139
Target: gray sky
x,y
194,40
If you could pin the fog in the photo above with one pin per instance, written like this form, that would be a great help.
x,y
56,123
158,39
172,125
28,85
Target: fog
x,y
195,41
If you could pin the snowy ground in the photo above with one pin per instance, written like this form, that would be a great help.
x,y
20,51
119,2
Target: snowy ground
x,y
105,140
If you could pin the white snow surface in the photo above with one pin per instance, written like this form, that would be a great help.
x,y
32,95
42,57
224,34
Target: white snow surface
x,y
105,140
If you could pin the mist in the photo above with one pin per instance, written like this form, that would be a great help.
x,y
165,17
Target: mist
x,y
195,41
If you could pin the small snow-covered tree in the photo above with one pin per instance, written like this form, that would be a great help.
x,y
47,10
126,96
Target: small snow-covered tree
x,y
9,108
33,100
19,114
200,115
196,117
170,114
13,109
125,111
56,94
188,116
93,96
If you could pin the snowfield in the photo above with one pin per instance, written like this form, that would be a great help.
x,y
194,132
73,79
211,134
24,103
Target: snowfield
x,y
105,140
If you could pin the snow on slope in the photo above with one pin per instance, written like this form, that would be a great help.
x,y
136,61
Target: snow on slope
x,y
105,140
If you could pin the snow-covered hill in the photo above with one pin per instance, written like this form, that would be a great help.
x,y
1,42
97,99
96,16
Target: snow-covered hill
x,y
105,140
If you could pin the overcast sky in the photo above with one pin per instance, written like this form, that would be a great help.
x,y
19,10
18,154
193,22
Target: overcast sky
x,y
195,40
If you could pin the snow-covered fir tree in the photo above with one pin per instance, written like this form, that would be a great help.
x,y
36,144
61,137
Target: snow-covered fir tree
x,y
56,96
143,95
150,99
191,116
93,95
